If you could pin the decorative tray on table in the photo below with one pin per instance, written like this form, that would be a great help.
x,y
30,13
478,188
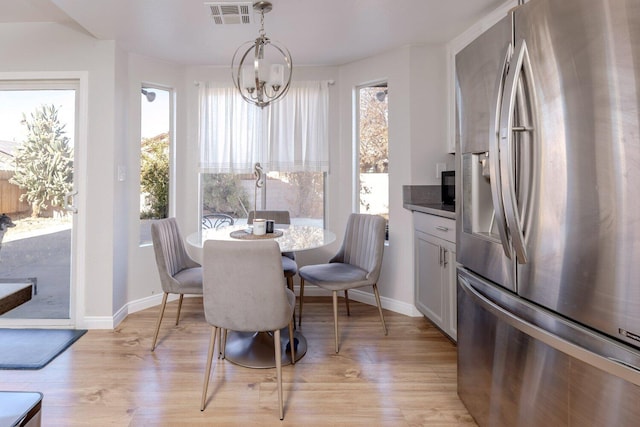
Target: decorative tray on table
x,y
247,234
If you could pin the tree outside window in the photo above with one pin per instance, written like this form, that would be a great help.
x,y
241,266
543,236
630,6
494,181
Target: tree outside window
x,y
155,157
154,177
44,161
373,150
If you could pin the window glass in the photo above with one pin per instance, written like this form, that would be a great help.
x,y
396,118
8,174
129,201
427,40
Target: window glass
x,y
300,193
373,150
155,145
286,144
38,129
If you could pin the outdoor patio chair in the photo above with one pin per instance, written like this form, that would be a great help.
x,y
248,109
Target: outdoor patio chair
x,y
216,220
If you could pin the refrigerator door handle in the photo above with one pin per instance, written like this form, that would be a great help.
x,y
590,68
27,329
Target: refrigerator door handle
x,y
494,158
519,61
610,365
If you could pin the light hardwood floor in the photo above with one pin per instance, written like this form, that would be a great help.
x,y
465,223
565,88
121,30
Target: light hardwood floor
x,y
111,378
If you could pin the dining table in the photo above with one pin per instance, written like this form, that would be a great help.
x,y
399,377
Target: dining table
x,y
255,349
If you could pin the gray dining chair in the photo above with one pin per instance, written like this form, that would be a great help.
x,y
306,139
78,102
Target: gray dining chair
x,y
289,265
357,264
246,297
179,274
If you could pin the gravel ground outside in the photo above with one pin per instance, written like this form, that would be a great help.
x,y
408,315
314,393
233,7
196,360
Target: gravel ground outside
x,y
39,248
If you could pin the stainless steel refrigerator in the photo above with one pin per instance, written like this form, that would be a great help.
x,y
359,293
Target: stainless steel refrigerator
x,y
548,128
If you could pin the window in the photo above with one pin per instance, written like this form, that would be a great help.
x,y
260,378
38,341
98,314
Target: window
x,y
300,193
373,150
289,139
155,146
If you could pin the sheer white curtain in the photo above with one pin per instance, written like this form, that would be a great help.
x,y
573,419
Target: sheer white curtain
x,y
290,135
230,131
298,129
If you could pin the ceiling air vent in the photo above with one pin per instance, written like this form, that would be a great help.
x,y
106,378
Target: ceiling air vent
x,y
224,13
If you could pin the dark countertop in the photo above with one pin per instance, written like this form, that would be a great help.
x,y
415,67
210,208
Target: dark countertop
x,y
425,199
431,209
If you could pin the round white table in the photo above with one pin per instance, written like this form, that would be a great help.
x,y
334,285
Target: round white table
x,y
295,238
255,349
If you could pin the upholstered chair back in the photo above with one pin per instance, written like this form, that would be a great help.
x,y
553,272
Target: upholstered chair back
x,y
244,288
363,244
171,255
279,217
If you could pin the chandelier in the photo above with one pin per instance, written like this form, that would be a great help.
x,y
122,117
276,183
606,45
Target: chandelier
x,y
261,69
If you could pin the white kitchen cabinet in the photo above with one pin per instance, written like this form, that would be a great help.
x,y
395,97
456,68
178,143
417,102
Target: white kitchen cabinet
x,y
435,270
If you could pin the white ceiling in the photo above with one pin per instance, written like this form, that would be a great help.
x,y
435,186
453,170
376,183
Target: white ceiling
x,y
322,32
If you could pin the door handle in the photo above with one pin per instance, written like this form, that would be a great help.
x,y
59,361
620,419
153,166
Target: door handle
x,y
590,356
493,158
519,63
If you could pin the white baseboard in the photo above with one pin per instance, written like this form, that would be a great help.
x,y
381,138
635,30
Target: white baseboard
x,y
96,322
107,322
150,301
104,322
365,298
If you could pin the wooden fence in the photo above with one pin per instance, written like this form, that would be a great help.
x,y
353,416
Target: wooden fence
x,y
10,195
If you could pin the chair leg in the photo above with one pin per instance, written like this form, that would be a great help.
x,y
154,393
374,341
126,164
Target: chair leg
x,y
290,286
301,299
276,344
377,294
292,342
207,374
179,309
163,305
335,316
223,343
346,299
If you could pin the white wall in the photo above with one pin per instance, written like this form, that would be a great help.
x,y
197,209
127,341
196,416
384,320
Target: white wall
x,y
429,113
143,282
417,125
121,205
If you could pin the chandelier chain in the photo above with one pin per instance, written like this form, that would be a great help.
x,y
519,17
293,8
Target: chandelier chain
x,y
262,32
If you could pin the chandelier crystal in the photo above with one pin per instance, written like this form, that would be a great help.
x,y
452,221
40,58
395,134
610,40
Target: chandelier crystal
x,y
262,69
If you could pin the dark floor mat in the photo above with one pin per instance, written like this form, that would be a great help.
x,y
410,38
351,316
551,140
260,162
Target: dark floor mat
x,y
34,348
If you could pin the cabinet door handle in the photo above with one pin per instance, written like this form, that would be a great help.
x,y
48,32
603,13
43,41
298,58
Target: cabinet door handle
x,y
444,257
440,256
441,228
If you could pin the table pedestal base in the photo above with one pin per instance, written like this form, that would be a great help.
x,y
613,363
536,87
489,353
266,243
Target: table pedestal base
x,y
255,349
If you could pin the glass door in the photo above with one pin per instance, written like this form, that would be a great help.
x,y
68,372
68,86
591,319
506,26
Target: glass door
x,y
37,158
